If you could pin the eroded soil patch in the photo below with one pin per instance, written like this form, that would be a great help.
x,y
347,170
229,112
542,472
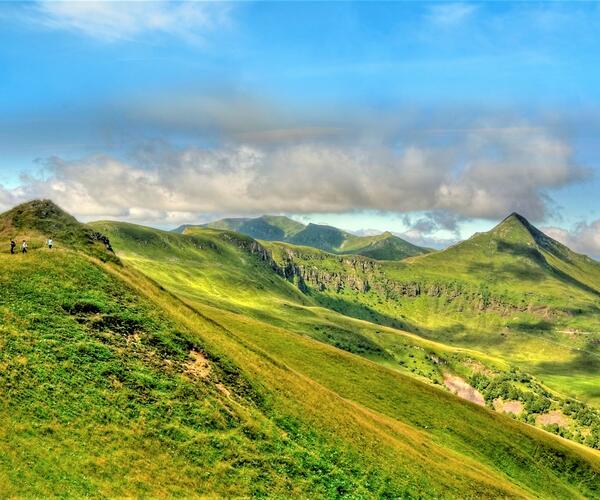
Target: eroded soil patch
x,y
514,407
463,390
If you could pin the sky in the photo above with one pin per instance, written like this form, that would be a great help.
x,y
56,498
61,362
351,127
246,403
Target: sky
x,y
433,120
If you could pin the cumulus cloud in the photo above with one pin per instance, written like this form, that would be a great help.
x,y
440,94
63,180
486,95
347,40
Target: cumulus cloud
x,y
113,21
584,238
488,175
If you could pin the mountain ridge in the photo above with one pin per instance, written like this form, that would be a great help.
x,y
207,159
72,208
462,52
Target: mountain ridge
x,y
384,246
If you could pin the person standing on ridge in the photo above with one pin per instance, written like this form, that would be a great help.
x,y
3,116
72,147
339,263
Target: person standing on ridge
x,y
13,244
24,246
50,243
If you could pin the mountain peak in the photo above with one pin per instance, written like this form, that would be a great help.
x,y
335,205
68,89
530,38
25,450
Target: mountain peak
x,y
514,225
38,220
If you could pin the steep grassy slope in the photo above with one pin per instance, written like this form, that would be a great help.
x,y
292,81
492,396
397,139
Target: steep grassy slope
x,y
385,246
290,347
115,386
255,289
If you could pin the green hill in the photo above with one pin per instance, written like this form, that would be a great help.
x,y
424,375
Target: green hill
x,y
267,227
512,292
39,220
185,369
385,246
388,347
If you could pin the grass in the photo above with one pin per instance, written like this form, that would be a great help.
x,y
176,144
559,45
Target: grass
x,y
97,401
290,347
246,285
531,304
99,398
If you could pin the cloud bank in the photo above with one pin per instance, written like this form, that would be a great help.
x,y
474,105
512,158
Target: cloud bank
x,y
584,238
489,174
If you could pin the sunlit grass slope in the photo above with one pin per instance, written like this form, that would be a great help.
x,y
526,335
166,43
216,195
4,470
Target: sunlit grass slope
x,y
250,268
512,292
113,387
406,407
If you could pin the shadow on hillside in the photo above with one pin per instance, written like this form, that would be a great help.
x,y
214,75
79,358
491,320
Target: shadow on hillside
x,y
536,256
585,362
523,272
521,250
357,310
538,326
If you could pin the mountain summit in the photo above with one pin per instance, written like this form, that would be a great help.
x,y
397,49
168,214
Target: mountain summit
x,y
38,220
384,246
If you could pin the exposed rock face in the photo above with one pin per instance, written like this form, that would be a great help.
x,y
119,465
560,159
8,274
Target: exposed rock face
x,y
362,275
359,274
255,248
96,236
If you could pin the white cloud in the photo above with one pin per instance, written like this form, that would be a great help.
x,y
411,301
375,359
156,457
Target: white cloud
x,y
450,14
584,238
112,21
490,174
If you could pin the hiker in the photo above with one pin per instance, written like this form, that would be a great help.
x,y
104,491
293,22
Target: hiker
x,y
24,246
50,243
13,244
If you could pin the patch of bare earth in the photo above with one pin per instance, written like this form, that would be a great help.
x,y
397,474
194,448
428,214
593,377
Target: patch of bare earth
x,y
479,367
553,417
198,365
514,407
463,390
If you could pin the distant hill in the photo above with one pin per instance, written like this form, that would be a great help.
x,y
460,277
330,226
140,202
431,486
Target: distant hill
x,y
517,253
384,246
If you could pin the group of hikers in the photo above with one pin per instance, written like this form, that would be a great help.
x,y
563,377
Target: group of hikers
x,y
24,246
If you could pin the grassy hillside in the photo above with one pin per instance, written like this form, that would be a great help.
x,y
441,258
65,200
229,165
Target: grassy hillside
x,y
512,292
118,385
258,289
263,332
40,220
385,246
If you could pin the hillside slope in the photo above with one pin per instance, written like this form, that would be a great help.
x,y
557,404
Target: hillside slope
x,y
39,220
512,292
360,287
385,246
289,345
116,386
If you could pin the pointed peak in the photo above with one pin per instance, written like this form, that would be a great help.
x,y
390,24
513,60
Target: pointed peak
x,y
518,217
515,220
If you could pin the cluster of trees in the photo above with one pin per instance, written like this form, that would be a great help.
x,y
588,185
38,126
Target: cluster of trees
x,y
503,387
537,400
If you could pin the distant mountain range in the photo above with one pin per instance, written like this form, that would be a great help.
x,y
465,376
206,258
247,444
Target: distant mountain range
x,y
385,246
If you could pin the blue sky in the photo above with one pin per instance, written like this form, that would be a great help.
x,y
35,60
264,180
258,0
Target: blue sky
x,y
430,119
